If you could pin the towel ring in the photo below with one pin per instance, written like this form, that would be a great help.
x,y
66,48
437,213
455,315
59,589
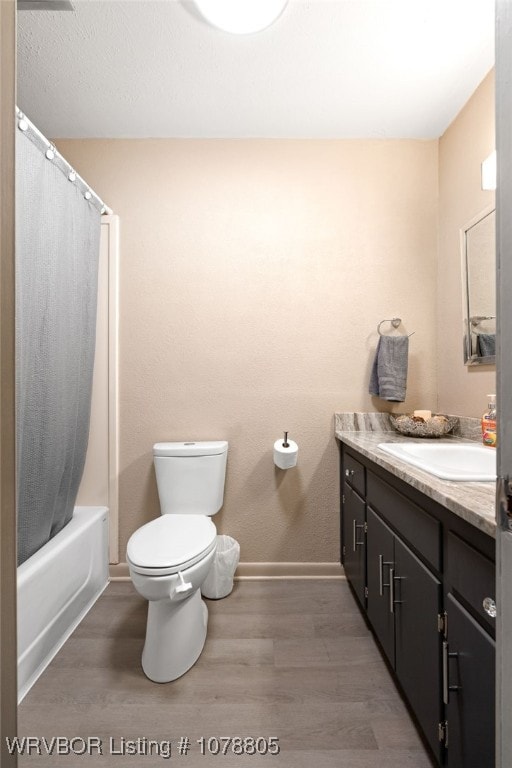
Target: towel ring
x,y
395,322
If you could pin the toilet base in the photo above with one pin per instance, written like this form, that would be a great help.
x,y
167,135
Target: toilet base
x,y
175,637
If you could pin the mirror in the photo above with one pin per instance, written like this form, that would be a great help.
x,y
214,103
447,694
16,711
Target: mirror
x,y
478,240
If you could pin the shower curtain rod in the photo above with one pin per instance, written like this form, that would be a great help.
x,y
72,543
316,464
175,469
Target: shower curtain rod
x,y
52,153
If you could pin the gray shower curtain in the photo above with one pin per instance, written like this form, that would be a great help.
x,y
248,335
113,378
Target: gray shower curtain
x,y
57,251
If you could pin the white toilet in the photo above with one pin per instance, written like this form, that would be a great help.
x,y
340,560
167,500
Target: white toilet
x,y
169,558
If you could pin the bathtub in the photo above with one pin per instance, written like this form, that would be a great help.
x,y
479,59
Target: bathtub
x,y
56,588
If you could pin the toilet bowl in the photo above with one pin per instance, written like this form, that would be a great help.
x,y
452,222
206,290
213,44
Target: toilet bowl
x,y
170,557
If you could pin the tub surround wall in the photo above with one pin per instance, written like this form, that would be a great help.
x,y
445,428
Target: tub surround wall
x,y
462,148
253,274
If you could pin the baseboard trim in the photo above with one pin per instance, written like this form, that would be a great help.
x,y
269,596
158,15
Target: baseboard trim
x,y
262,571
119,572
246,571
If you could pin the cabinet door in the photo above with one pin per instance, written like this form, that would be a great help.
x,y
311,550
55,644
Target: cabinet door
x,y
354,541
417,602
380,560
470,709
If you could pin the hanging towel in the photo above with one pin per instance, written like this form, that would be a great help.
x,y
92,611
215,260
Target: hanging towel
x,y
388,379
486,344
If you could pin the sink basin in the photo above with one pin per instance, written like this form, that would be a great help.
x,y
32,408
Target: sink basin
x,y
450,461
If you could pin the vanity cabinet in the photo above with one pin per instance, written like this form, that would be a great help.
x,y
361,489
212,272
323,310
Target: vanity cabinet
x,y
404,599
354,528
381,559
469,655
421,575
469,690
417,657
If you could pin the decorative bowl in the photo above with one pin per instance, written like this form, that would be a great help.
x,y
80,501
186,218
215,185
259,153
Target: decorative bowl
x,y
412,426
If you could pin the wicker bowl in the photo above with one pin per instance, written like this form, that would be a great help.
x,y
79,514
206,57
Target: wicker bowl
x,y
437,426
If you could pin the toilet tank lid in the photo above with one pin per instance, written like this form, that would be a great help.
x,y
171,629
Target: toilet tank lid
x,y
191,448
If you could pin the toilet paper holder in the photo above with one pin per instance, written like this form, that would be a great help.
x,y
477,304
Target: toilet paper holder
x,y
285,452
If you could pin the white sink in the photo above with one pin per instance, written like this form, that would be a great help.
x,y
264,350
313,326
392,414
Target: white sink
x,y
450,461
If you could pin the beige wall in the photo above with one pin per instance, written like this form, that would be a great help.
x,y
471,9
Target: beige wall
x,y
466,143
253,274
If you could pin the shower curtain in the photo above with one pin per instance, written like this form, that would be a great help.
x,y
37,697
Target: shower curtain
x,y
57,252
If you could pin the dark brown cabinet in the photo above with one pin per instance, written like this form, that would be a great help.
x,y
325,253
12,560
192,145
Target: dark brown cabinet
x,y
398,585
425,579
354,541
417,596
380,561
469,690
469,654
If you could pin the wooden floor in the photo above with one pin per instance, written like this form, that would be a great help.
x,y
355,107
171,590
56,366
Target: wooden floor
x,y
290,659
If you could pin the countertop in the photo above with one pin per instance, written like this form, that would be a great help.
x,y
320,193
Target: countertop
x,y
473,502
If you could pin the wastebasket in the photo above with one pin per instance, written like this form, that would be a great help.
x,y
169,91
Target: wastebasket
x,y
219,581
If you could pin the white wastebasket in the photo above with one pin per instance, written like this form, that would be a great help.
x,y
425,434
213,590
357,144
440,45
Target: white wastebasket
x,y
219,581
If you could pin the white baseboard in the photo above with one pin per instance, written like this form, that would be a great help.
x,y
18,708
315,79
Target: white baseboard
x,y
261,571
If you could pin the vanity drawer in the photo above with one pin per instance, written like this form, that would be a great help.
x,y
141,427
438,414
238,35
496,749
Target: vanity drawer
x,y
354,473
470,575
414,525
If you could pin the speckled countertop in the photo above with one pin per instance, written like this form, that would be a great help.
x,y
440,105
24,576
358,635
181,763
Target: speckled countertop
x,y
473,502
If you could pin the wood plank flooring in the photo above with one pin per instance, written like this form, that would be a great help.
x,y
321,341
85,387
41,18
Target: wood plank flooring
x,y
291,659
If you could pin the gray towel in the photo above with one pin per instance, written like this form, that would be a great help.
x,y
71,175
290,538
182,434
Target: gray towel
x,y
486,344
388,379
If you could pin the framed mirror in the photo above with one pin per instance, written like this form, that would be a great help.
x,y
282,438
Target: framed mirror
x,y
478,245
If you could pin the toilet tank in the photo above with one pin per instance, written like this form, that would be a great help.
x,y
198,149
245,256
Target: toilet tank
x,y
190,476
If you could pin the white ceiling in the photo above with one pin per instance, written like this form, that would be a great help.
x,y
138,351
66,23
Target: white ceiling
x,y
325,69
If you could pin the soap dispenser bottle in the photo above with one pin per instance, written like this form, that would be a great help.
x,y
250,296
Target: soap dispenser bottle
x,y
489,436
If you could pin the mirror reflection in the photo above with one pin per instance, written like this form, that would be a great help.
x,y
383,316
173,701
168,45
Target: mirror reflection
x,y
479,278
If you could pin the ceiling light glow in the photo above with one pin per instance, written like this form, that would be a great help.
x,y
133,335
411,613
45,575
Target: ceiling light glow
x,y
241,17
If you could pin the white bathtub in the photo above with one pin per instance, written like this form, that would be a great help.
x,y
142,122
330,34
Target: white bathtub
x,y
56,588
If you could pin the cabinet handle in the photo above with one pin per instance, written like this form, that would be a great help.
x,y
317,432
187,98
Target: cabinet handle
x,y
349,472
355,542
446,673
392,579
382,563
489,607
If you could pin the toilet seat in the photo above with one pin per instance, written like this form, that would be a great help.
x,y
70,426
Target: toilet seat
x,y
171,543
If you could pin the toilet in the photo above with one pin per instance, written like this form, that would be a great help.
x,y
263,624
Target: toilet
x,y
169,557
